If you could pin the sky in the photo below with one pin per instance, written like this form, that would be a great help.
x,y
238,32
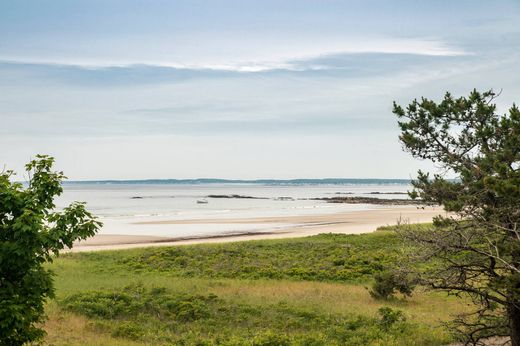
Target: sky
x,y
135,89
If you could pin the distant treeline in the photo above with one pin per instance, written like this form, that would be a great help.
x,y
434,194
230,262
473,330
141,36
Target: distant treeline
x,y
328,181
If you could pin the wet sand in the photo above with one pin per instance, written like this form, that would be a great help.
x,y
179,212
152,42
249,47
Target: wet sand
x,y
353,222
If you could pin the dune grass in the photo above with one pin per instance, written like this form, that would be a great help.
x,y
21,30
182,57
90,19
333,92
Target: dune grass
x,y
307,291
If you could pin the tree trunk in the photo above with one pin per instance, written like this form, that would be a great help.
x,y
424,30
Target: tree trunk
x,y
514,323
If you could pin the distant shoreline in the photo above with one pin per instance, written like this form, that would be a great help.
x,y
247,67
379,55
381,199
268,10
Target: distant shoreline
x,y
204,181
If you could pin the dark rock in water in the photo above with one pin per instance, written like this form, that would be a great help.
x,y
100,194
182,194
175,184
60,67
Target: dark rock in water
x,y
284,199
387,193
370,200
235,196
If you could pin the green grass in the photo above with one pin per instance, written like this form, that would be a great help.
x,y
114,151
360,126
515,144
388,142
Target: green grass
x,y
326,257
160,316
307,291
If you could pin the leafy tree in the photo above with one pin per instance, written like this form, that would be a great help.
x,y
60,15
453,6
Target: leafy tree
x,y
476,248
31,232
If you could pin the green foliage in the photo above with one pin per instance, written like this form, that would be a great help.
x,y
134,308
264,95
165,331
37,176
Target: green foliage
x,y
326,257
478,248
128,330
271,339
136,300
387,283
30,232
249,306
389,317
466,136
158,316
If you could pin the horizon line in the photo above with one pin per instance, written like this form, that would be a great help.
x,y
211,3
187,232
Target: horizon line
x,y
238,181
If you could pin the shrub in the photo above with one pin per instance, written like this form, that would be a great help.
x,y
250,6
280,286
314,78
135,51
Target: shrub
x,y
387,283
139,300
389,317
271,339
129,330
30,233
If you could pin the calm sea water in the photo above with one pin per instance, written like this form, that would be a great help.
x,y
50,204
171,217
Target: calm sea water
x,y
120,206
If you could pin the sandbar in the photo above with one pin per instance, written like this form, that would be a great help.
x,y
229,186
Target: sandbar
x,y
351,222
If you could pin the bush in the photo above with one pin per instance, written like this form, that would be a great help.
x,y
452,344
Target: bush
x,y
30,232
129,330
271,339
137,300
387,283
389,317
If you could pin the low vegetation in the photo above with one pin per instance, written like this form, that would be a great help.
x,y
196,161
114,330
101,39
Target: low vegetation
x,y
156,315
307,291
327,257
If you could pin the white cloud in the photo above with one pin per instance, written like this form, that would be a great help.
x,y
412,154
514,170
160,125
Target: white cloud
x,y
256,56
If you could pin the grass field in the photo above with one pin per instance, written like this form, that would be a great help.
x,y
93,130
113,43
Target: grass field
x,y
306,291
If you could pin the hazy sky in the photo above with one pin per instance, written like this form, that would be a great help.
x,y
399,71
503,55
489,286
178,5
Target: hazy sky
x,y
238,89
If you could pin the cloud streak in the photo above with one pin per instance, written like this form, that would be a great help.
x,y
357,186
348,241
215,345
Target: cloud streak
x,y
258,60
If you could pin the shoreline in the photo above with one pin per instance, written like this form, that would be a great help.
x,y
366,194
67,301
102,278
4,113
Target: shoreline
x,y
352,222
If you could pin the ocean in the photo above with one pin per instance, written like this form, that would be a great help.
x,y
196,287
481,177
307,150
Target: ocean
x,y
124,205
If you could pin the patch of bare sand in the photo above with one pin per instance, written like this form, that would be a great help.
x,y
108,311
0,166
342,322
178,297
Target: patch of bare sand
x,y
352,222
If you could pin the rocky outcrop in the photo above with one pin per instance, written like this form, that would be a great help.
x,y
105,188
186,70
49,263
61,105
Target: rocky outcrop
x,y
235,196
370,200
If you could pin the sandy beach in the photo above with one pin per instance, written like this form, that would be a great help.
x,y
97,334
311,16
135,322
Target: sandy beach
x,y
352,222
